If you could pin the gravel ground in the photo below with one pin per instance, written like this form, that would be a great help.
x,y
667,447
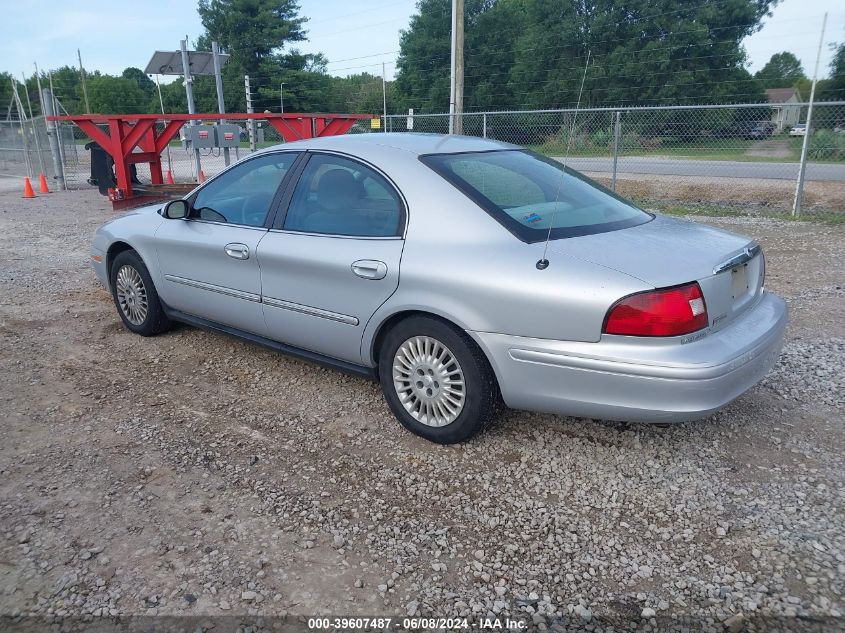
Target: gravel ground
x,y
195,475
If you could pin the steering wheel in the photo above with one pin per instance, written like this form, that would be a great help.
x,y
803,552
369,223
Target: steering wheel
x,y
249,215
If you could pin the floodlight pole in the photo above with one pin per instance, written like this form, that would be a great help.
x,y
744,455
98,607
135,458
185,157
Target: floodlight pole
x,y
189,91
161,103
218,79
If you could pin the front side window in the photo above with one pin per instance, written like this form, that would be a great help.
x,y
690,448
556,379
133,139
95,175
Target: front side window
x,y
243,194
339,196
528,193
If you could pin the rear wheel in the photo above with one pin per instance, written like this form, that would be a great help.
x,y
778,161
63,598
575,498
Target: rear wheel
x,y
135,296
436,380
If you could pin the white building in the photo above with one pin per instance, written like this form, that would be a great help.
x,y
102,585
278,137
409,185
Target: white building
x,y
785,109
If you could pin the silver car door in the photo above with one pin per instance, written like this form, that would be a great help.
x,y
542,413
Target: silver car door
x,y
209,261
333,258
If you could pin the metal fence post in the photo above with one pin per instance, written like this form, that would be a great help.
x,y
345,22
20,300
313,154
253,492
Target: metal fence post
x,y
617,132
52,137
799,187
484,125
251,122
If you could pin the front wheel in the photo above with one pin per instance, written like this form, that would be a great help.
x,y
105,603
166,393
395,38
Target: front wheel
x,y
436,380
135,296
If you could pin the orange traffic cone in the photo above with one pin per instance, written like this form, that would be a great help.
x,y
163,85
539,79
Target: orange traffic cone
x,y
27,189
169,178
42,184
202,176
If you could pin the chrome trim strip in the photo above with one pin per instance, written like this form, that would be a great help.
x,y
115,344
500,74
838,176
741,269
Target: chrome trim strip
x,y
231,292
317,312
228,224
747,254
338,236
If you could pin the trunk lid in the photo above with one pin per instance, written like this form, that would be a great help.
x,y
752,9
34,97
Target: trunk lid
x,y
667,252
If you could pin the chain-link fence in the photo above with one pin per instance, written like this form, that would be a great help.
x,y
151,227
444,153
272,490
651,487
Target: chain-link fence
x,y
732,153
25,149
737,153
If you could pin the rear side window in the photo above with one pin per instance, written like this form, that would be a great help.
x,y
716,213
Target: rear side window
x,y
339,196
528,193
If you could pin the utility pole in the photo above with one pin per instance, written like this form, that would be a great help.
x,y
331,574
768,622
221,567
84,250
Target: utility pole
x,y
282,97
84,85
53,138
189,91
251,122
384,95
56,110
456,101
46,102
799,187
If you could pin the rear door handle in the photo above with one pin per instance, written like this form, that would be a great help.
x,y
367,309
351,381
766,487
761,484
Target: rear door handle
x,y
369,269
236,250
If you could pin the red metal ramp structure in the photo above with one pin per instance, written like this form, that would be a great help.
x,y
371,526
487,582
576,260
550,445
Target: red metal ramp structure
x,y
127,132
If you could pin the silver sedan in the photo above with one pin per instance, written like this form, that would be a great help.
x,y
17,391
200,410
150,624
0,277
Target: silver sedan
x,y
462,274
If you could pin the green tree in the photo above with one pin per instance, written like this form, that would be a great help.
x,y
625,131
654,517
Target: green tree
x,y
532,53
783,70
6,94
116,95
251,31
140,78
834,88
67,85
423,64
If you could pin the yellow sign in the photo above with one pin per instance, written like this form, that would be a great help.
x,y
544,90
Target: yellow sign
x,y
375,124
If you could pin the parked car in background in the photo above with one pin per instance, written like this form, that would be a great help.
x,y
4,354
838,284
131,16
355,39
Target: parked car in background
x,y
799,129
756,130
459,272
680,132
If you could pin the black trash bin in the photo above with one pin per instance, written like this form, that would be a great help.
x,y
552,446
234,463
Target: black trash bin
x,y
102,169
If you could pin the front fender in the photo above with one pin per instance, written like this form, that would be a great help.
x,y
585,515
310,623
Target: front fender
x,y
135,230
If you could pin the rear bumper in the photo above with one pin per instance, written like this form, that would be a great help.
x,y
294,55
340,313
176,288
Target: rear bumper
x,y
637,379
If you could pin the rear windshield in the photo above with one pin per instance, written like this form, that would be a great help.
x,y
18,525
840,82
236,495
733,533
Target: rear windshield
x,y
527,193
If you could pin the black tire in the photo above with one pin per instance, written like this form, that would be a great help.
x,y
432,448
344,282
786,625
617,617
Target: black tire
x,y
482,400
155,320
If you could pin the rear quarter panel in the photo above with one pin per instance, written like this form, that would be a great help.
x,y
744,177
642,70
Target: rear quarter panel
x,y
459,263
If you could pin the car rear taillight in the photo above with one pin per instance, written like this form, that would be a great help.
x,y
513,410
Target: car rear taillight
x,y
664,312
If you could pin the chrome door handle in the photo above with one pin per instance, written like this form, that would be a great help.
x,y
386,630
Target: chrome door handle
x,y
369,269
238,251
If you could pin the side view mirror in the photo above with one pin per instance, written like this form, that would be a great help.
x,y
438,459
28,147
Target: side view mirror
x,y
176,210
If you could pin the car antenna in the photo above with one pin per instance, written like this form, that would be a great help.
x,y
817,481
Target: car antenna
x,y
543,263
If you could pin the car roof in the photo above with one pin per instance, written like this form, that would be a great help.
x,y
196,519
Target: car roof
x,y
413,142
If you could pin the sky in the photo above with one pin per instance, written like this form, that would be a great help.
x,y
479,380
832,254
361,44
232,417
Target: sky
x,y
355,36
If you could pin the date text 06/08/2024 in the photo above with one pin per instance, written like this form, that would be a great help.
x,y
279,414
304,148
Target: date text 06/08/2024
x,y
412,623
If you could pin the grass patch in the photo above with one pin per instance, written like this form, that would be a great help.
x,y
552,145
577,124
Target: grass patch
x,y
825,148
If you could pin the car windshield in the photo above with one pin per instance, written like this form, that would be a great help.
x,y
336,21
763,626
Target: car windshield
x,y
527,193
